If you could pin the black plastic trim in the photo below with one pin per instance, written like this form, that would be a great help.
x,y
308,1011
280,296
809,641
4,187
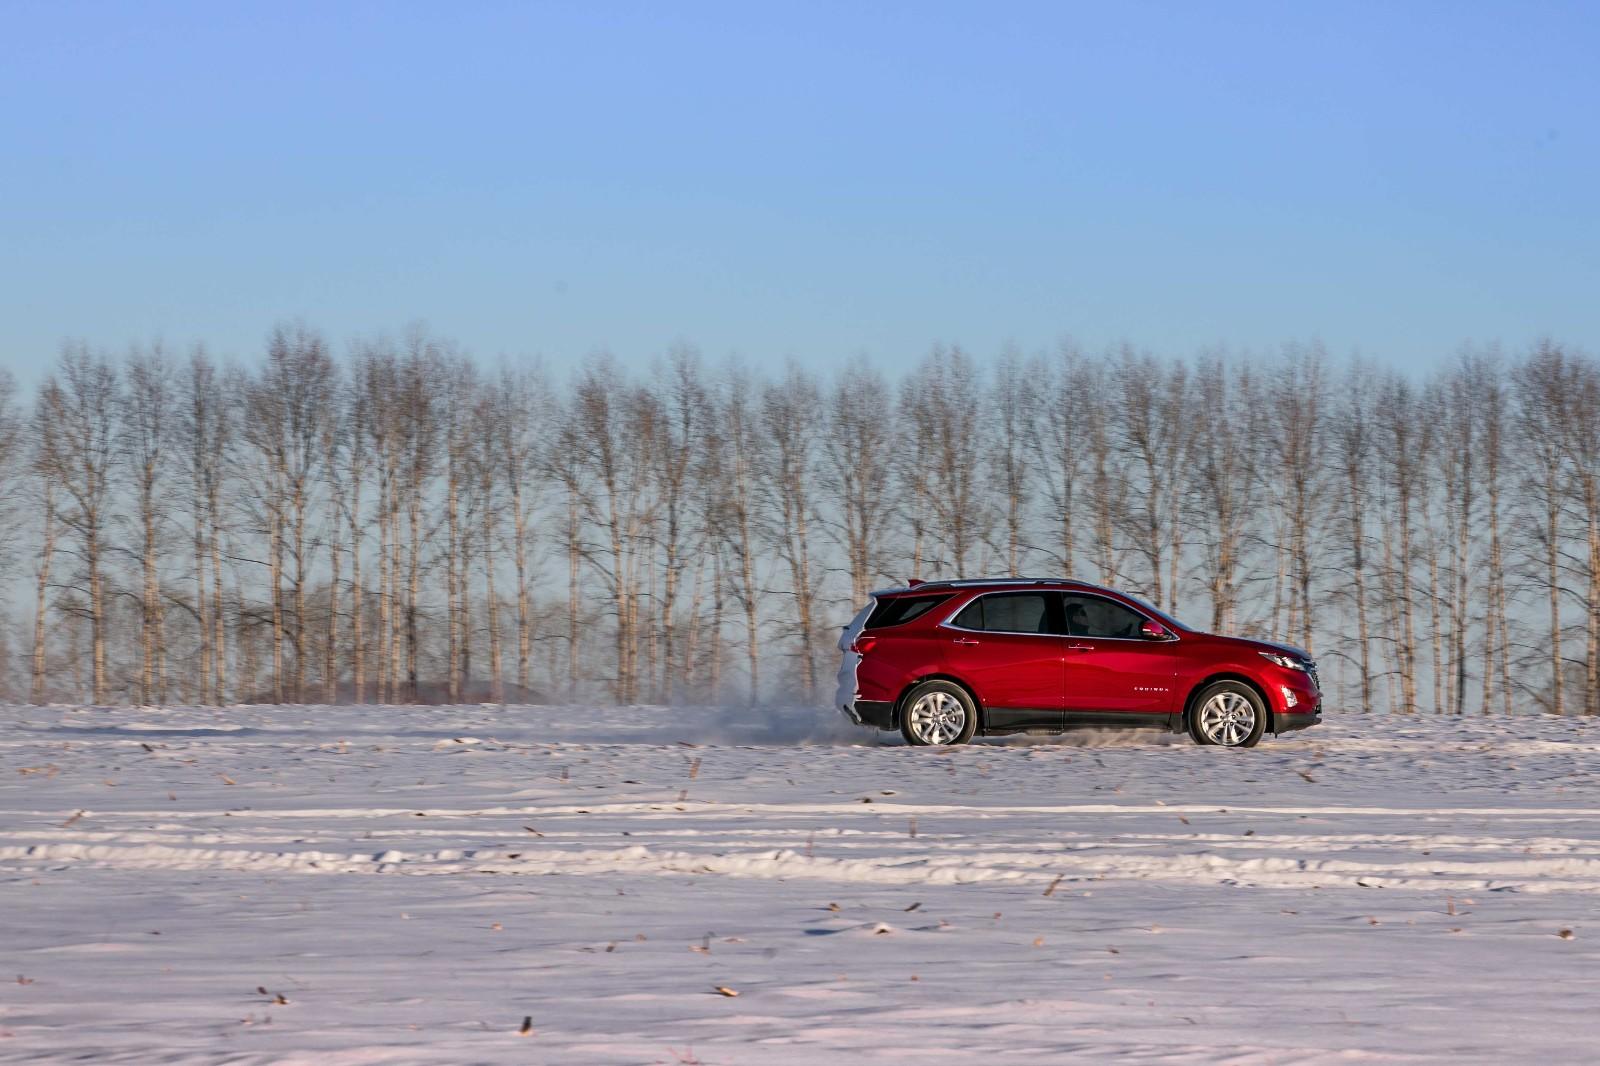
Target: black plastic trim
x,y
1288,723
999,720
876,713
1135,719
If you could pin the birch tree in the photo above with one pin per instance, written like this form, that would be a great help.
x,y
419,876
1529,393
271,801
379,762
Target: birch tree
x,y
1542,385
77,428
788,473
1222,489
857,469
147,425
937,410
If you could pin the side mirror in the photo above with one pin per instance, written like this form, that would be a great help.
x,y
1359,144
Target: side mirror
x,y
1154,631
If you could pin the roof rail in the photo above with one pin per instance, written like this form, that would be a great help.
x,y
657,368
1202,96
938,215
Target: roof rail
x,y
969,582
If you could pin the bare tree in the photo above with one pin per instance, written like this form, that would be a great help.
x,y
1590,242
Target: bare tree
x,y
1581,438
147,425
1486,384
20,489
936,403
1352,450
1294,438
683,400
1069,393
1012,398
379,375
610,430
486,465
735,448
520,401
1541,384
788,475
1461,469
1224,480
1155,430
1404,439
358,458
420,423
289,405
202,431
47,551
856,472
460,403
77,429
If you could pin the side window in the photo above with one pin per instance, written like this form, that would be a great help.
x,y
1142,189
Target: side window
x,y
1091,616
1008,612
902,609
971,616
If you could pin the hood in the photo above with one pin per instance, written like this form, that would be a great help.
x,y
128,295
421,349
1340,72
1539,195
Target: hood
x,y
1247,643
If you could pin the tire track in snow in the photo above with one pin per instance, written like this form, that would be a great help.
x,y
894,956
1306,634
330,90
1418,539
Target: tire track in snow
x,y
1520,874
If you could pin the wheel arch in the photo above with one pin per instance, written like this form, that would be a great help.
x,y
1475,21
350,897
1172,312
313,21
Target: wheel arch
x,y
1255,686
900,700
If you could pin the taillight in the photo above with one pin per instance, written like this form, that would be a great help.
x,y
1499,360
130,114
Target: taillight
x,y
863,644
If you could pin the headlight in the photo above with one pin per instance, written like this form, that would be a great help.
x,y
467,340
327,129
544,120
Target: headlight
x,y
1286,661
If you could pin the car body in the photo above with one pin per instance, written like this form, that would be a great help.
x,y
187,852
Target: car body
x,y
1044,654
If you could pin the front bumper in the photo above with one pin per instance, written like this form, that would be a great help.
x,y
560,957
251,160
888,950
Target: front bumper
x,y
877,714
1288,721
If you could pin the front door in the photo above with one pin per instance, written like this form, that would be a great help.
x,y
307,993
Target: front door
x,y
1109,668
1008,646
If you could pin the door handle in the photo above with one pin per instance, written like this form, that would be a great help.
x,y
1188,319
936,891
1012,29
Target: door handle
x,y
963,640
1080,647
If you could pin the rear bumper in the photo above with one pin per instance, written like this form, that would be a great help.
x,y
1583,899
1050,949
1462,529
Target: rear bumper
x,y
877,714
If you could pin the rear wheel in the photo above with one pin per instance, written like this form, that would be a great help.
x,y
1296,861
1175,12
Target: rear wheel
x,y
938,712
1228,714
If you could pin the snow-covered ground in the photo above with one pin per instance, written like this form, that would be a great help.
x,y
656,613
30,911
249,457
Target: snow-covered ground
x,y
373,885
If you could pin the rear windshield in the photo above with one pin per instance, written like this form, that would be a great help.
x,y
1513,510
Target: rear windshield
x,y
902,609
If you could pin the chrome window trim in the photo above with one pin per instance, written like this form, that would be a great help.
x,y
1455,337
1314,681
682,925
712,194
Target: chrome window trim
x,y
1172,637
949,621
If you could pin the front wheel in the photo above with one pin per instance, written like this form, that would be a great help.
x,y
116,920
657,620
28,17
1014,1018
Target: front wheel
x,y
938,712
1228,714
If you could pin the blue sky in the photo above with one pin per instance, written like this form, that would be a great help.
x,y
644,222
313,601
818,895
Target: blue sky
x,y
811,180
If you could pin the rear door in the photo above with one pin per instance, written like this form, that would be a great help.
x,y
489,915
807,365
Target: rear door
x,y
1009,647
1109,667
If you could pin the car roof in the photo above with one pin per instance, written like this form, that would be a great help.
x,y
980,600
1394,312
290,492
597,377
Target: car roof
x,y
990,582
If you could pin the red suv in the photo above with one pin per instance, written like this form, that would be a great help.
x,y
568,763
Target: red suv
x,y
943,661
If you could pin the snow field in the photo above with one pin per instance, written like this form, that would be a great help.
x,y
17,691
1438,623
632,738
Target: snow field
x,y
344,885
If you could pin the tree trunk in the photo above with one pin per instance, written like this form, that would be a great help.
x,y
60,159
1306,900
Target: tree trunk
x,y
47,551
497,688
219,619
358,598
330,657
1553,576
574,545
275,553
524,621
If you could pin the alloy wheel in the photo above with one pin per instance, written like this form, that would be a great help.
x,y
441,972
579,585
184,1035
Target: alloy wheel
x,y
1227,719
937,718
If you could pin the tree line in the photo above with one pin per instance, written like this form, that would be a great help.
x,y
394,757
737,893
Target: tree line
x,y
398,523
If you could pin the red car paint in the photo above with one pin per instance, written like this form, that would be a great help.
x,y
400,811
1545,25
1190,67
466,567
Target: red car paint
x,y
1089,654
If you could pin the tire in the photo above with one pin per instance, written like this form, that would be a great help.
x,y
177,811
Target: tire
x,y
936,713
1228,714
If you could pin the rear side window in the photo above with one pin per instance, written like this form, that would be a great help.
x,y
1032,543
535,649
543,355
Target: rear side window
x,y
1008,612
902,609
